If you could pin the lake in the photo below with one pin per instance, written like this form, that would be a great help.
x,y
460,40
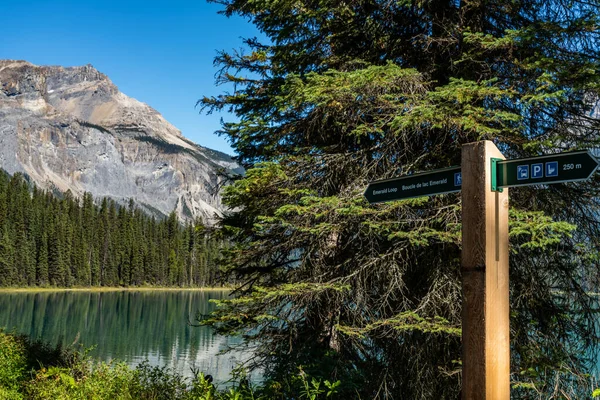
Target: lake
x,y
131,326
128,325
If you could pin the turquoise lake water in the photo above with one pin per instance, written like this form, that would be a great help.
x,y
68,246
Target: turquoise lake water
x,y
130,326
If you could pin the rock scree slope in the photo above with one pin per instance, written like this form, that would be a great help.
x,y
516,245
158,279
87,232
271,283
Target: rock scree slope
x,y
70,128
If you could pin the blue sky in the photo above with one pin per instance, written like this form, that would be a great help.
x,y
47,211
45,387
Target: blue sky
x,y
159,52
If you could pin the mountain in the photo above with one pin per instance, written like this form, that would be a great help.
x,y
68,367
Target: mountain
x,y
72,129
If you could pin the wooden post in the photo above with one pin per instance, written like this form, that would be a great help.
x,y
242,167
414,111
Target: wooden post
x,y
485,318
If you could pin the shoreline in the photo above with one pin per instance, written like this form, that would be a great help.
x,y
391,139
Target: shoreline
x,y
110,289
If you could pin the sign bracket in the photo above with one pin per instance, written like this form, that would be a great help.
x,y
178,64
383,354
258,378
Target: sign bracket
x,y
494,174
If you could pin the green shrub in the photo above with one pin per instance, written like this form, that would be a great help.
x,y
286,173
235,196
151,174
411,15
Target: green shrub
x,y
13,365
9,394
34,370
157,383
103,381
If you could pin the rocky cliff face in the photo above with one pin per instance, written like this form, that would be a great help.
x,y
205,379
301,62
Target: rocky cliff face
x,y
72,129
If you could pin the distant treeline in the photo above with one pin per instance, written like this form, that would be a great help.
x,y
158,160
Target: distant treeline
x,y
50,241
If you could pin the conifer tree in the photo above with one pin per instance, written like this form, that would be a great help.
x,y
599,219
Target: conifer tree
x,y
42,262
57,270
114,247
103,240
95,269
3,197
38,235
8,272
89,237
137,263
66,241
342,93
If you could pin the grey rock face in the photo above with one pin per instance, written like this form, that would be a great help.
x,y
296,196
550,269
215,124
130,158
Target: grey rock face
x,y
72,129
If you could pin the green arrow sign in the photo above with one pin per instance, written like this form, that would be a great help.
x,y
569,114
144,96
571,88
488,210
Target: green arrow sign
x,y
425,184
564,167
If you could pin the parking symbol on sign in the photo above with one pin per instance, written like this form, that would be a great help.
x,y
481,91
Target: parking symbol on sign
x,y
522,172
537,170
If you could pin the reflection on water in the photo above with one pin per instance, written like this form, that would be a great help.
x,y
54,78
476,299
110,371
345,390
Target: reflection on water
x,y
126,325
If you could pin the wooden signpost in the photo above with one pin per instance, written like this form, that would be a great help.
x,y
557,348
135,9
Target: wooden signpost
x,y
482,177
484,268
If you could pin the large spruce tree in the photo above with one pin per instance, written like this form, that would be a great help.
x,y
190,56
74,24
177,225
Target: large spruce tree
x,y
340,93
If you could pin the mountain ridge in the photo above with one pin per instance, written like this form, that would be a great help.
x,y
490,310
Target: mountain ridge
x,y
72,129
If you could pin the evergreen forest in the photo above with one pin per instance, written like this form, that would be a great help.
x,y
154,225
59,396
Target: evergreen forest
x,y
61,241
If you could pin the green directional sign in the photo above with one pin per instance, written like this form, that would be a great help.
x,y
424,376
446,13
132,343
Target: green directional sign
x,y
556,168
440,181
563,167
